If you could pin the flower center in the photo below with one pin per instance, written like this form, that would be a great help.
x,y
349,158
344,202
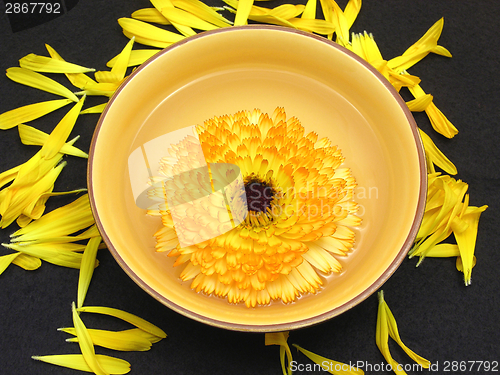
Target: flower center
x,y
259,195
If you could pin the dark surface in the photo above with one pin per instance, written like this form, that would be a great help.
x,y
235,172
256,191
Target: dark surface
x,y
438,316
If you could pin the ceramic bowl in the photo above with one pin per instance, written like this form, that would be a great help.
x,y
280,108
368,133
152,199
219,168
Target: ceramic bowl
x,y
331,91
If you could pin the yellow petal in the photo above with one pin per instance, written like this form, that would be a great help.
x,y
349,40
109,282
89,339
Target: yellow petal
x,y
62,221
32,136
61,132
39,81
382,335
30,112
100,88
440,122
28,262
146,41
162,6
310,10
110,365
45,64
95,109
444,250
351,11
128,340
85,343
77,79
130,318
137,57
328,365
24,199
420,104
120,67
9,175
175,15
203,11
436,156
144,30
280,338
458,263
315,26
394,333
151,15
273,20
87,268
466,241
242,12
426,44
341,24
6,260
55,256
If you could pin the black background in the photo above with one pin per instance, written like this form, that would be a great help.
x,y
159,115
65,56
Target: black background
x,y
438,316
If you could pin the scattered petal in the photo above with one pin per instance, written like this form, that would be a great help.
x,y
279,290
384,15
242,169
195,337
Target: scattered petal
x,y
328,365
109,364
242,12
6,260
87,268
32,136
85,342
280,338
95,109
435,156
137,57
386,325
39,81
30,112
128,340
61,132
45,64
28,262
130,318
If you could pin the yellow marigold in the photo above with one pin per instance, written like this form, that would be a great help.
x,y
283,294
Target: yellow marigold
x,y
299,208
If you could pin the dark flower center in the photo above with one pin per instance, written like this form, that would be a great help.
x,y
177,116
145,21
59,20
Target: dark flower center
x,y
259,195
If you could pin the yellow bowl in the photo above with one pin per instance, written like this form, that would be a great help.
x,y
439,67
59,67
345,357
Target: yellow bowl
x,y
331,91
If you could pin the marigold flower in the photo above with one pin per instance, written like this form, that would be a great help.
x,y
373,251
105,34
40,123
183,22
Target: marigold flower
x,y
300,206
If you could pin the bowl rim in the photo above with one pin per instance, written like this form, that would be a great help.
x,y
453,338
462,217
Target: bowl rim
x,y
389,271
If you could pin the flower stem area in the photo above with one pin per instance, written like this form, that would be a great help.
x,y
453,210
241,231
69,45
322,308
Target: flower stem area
x,y
437,316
